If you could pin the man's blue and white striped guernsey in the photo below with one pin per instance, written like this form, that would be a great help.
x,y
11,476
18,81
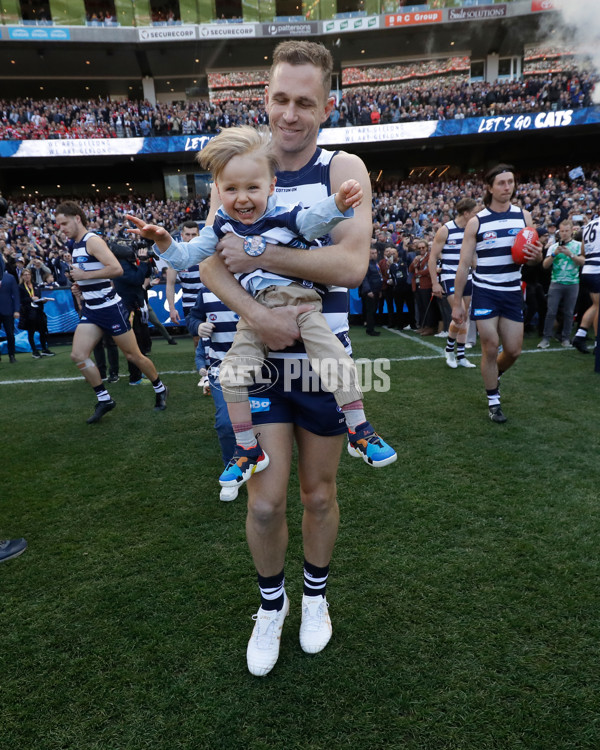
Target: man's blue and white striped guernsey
x,y
496,269
308,185
97,293
591,241
190,283
451,251
225,322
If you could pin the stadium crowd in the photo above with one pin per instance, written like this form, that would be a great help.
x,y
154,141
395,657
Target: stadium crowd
x,y
402,211
439,97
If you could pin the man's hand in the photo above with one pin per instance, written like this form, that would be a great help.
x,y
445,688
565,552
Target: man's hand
x,y
436,289
277,326
458,314
76,273
533,253
204,382
205,329
349,195
174,315
231,250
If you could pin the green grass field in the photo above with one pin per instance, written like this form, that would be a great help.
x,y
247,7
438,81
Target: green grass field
x,y
465,585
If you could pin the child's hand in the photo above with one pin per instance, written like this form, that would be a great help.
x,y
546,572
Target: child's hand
x,y
349,195
158,235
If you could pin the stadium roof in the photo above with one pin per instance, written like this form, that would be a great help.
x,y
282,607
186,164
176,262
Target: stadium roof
x,y
113,62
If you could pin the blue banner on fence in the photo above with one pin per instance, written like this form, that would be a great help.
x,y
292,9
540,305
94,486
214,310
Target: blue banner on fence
x,y
63,318
535,121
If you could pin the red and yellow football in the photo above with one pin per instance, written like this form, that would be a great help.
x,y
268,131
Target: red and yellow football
x,y
526,235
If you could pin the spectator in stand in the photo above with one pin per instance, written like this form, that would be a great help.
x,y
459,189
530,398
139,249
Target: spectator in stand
x,y
32,316
39,270
59,267
388,266
10,305
421,286
370,292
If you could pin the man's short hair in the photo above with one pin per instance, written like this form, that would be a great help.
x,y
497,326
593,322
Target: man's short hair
x,y
296,52
241,141
189,225
465,205
70,208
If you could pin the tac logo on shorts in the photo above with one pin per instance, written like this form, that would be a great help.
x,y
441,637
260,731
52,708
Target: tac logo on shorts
x,y
490,235
513,232
259,404
479,311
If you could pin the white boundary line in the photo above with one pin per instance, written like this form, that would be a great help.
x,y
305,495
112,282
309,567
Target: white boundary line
x,y
439,354
68,380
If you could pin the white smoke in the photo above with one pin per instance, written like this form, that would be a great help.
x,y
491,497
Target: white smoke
x,y
581,31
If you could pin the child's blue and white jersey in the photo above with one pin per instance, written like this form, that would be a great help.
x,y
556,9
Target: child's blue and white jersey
x,y
294,226
97,293
308,185
496,270
293,191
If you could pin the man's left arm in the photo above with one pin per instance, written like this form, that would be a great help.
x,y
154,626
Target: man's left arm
x,y
533,250
344,262
100,250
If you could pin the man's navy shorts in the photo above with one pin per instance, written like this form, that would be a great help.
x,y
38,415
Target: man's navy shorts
x,y
295,400
448,287
486,303
113,319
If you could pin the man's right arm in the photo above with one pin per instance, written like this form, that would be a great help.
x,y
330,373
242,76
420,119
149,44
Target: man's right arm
x,y
277,327
436,253
171,278
343,263
196,315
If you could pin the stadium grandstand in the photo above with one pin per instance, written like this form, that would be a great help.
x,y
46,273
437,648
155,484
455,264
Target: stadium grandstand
x,y
103,98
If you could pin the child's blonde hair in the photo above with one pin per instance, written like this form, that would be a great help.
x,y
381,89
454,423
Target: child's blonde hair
x,y
241,141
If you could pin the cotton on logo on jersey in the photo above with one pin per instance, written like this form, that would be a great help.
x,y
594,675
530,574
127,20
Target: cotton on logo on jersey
x,y
490,235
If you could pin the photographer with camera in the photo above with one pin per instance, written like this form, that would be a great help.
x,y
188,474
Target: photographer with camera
x,y
137,262
565,257
94,265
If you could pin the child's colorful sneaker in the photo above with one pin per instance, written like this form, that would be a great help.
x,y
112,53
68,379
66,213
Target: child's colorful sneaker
x,y
242,465
365,443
